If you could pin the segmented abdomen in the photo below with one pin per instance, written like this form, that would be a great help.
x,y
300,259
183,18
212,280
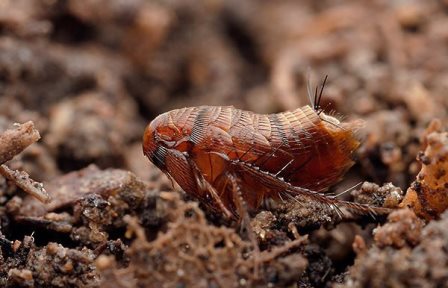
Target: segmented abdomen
x,y
305,149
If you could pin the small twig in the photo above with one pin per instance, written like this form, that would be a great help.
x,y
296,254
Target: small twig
x,y
23,180
267,256
12,142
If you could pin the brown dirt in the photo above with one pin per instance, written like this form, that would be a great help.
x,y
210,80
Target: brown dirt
x,y
91,74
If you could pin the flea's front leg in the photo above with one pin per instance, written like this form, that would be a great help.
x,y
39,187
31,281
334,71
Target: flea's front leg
x,y
206,187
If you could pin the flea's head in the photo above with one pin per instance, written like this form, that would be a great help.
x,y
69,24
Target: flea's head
x,y
166,145
160,136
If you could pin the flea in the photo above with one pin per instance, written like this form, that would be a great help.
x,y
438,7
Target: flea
x,y
231,159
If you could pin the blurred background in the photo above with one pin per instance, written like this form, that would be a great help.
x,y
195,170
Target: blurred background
x,y
93,73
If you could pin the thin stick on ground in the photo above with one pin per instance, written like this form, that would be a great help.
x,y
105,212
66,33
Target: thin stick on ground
x,y
13,142
23,180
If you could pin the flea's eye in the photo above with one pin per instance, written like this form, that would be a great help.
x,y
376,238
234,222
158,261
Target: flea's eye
x,y
166,140
168,133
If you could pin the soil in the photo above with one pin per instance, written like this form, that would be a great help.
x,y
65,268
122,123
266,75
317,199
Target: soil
x,y
80,205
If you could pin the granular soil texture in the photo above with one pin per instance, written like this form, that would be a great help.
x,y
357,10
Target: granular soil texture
x,y
80,206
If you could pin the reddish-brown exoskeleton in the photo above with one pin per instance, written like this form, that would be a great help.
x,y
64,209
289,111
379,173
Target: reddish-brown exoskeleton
x,y
227,157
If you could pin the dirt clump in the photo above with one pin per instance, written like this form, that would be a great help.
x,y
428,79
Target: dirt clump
x,y
91,74
23,264
428,194
403,257
189,251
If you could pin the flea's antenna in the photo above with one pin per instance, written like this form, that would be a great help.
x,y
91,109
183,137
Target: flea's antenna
x,y
315,106
318,99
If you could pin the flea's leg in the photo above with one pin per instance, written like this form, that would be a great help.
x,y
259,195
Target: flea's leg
x,y
214,194
244,220
330,204
204,185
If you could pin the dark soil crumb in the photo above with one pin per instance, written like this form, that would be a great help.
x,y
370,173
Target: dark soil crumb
x,y
97,203
405,258
193,253
91,74
403,228
387,196
23,264
96,122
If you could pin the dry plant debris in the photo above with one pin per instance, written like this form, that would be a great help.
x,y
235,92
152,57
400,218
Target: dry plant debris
x,y
91,74
12,142
428,194
403,227
86,204
403,258
387,196
27,265
192,252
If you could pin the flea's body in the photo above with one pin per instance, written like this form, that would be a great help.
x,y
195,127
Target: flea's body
x,y
222,155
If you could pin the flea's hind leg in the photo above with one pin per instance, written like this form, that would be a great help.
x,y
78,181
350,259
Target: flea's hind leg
x,y
244,220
